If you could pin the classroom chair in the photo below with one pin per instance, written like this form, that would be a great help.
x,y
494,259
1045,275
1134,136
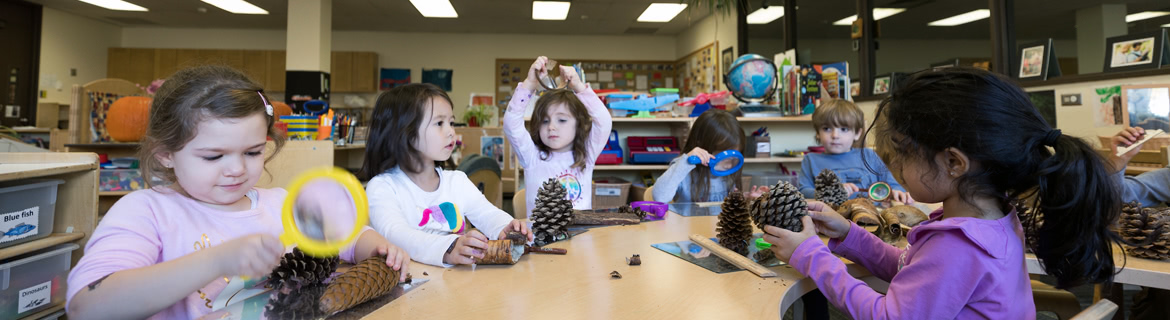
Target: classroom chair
x,y
519,206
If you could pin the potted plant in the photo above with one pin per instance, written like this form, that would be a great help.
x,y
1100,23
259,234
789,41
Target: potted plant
x,y
479,115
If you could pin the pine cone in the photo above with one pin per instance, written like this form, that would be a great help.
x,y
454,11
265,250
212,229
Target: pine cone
x,y
735,226
829,189
301,303
369,279
764,255
1148,229
298,268
781,207
552,214
636,211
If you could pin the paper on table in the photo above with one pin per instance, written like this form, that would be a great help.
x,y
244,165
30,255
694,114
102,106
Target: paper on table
x,y
640,82
605,76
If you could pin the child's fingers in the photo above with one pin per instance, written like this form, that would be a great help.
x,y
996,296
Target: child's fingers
x,y
475,234
475,243
471,252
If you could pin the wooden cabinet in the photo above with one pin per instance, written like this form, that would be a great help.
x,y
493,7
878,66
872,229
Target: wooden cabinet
x,y
75,215
341,71
354,71
351,71
134,65
365,72
276,71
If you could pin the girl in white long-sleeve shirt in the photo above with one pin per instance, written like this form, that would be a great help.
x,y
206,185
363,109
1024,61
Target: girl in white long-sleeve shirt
x,y
411,131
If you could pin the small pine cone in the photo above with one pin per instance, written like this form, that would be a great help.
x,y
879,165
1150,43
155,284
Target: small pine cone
x,y
734,228
298,268
829,189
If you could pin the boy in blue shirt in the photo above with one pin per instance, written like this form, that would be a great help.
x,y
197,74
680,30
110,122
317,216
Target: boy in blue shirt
x,y
839,124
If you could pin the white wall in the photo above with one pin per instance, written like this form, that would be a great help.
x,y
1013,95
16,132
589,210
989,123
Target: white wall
x,y
70,41
715,27
894,55
471,56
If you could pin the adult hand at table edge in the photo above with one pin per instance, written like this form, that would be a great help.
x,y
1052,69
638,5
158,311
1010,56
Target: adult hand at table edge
x,y
784,242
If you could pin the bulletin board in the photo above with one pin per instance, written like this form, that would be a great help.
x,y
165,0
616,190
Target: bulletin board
x,y
601,74
699,71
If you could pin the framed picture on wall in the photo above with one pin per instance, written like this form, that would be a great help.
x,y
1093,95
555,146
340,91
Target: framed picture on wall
x,y
727,58
881,84
1037,61
1146,106
1139,51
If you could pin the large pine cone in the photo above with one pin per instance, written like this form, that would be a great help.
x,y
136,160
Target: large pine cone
x,y
781,207
298,268
1148,229
735,226
829,189
369,279
552,213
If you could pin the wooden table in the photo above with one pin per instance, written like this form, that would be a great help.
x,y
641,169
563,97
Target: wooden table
x,y
578,285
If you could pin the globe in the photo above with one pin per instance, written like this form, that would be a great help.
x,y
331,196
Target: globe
x,y
751,78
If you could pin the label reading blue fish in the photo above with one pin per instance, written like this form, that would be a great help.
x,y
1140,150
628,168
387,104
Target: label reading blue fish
x,y
19,224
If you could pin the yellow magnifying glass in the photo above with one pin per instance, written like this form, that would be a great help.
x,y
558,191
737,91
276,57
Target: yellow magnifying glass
x,y
326,210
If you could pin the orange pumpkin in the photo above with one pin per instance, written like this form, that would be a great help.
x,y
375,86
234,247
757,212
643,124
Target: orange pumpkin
x,y
126,121
280,109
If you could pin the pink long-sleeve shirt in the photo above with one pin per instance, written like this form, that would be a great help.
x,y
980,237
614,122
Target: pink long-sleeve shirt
x,y
148,227
961,268
578,183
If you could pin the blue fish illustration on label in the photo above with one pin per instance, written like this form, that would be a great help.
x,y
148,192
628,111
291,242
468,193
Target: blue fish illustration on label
x,y
18,230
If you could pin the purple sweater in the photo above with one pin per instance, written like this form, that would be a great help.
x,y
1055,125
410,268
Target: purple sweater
x,y
954,268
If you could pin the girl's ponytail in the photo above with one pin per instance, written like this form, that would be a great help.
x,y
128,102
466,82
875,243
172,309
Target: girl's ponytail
x,y
1078,201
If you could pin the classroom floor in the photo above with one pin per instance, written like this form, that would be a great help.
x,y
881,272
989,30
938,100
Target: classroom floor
x,y
1084,296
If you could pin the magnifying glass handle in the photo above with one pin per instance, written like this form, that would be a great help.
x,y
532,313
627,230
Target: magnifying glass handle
x,y
694,160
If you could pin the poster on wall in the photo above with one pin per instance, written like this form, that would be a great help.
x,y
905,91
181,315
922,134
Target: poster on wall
x,y
1146,106
1045,102
393,78
1108,111
492,147
438,77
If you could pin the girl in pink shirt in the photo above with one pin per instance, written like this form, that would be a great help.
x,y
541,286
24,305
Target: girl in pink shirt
x,y
971,140
568,130
168,251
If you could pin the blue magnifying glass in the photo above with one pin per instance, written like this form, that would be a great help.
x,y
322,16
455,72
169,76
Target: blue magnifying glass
x,y
713,164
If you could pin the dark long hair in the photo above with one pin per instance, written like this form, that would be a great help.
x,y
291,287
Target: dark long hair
x,y
715,130
397,115
993,122
579,112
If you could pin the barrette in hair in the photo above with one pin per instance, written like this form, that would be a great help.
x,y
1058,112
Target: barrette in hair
x,y
267,106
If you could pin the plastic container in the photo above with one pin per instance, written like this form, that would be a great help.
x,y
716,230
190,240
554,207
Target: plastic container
x,y
610,99
26,210
34,282
120,180
610,192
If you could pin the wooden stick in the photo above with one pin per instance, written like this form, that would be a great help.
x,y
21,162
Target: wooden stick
x,y
731,256
532,249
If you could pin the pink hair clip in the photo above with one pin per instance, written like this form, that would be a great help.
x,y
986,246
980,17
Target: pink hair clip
x,y
267,106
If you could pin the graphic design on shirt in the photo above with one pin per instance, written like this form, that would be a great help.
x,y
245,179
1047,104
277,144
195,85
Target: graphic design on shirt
x,y
204,242
446,213
572,186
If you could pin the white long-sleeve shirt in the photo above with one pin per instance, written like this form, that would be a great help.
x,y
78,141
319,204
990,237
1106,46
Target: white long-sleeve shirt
x,y
397,205
578,183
